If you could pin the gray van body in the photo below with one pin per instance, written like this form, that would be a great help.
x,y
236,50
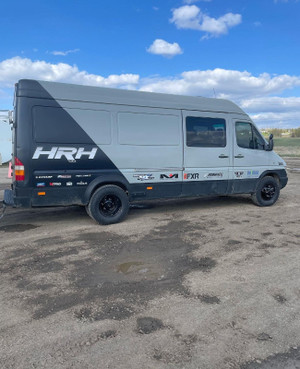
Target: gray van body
x,y
73,139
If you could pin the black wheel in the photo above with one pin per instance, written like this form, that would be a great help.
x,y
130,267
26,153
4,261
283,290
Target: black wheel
x,y
109,204
267,192
87,210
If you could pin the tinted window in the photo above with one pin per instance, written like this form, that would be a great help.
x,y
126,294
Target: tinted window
x,y
248,137
205,132
70,126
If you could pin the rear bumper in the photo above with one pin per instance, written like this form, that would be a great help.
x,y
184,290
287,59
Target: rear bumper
x,y
17,200
34,197
8,198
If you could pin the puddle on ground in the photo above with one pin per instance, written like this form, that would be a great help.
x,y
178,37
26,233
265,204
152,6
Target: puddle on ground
x,y
287,360
141,206
12,228
128,267
116,279
146,325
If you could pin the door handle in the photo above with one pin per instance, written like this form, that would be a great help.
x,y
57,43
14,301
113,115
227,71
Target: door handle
x,y
239,156
222,156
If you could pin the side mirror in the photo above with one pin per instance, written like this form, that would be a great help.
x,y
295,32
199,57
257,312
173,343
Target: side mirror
x,y
270,143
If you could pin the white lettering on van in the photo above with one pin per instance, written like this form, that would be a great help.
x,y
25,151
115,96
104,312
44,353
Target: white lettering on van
x,y
67,152
91,154
39,151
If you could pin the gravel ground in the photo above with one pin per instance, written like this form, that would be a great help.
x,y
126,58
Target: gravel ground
x,y
206,283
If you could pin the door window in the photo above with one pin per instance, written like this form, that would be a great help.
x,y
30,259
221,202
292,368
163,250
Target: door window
x,y
248,137
205,132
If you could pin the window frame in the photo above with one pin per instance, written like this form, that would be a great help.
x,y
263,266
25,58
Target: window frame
x,y
255,131
218,120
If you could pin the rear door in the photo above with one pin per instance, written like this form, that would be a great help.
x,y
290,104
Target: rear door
x,y
207,154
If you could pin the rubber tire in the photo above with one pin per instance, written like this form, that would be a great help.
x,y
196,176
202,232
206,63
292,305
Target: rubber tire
x,y
258,198
87,210
93,208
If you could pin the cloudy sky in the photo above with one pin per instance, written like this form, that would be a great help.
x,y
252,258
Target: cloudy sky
x,y
247,50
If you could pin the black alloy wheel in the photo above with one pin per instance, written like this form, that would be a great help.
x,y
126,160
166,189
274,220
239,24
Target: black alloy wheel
x,y
109,204
267,192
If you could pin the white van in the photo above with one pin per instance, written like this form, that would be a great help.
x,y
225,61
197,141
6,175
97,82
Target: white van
x,y
104,148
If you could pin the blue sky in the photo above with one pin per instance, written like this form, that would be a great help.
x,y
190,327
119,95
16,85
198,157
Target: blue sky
x,y
247,50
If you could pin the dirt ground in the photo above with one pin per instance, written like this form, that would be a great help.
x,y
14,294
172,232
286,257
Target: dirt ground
x,y
200,284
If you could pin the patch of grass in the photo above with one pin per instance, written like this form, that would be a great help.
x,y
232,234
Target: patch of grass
x,y
289,155
286,141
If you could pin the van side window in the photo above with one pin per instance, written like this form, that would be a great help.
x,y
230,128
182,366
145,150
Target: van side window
x,y
205,132
248,137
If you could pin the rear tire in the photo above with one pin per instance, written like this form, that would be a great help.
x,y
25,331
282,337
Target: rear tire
x,y
267,192
108,205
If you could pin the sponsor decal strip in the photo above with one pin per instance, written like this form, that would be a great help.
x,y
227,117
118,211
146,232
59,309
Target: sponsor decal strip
x,y
239,174
64,176
81,183
143,177
213,175
168,176
191,176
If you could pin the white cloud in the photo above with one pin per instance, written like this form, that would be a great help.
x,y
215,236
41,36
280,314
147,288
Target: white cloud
x,y
255,94
164,48
286,1
250,92
191,17
187,16
64,53
284,119
271,104
226,83
194,1
11,70
273,111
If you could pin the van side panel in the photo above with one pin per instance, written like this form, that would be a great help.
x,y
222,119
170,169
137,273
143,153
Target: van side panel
x,y
72,139
59,157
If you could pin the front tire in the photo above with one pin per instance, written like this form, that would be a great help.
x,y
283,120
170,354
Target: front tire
x,y
108,205
267,192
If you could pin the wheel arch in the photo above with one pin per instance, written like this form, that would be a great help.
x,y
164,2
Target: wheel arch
x,y
271,173
103,181
275,176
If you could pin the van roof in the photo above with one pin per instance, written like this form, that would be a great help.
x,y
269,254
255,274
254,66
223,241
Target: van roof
x,y
66,91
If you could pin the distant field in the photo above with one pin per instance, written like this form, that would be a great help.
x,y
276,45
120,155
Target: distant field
x,y
287,146
287,141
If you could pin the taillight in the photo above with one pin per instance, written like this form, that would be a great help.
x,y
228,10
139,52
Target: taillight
x,y
19,170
